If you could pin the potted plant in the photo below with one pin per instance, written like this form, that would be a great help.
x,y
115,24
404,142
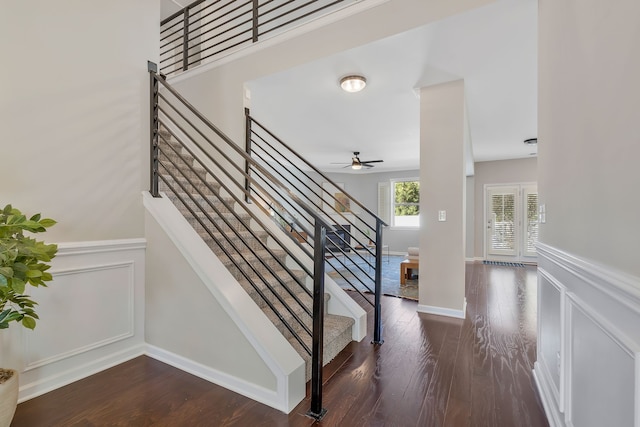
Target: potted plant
x,y
23,261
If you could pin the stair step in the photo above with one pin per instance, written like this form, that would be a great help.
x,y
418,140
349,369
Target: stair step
x,y
337,334
197,202
180,169
299,311
210,188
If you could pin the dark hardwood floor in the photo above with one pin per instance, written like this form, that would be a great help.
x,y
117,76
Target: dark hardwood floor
x,y
431,371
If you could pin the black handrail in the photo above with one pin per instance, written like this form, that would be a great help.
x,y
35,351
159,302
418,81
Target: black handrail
x,y
183,43
283,161
183,154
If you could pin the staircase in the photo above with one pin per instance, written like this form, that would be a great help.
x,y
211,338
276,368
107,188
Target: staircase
x,y
271,234
264,270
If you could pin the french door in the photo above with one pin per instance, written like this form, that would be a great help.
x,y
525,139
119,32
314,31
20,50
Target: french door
x,y
511,222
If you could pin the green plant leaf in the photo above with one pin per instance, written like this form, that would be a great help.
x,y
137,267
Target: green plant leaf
x,y
34,273
47,222
29,323
6,272
18,285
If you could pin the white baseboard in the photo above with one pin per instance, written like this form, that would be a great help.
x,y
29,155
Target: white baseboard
x,y
250,390
442,311
60,379
544,392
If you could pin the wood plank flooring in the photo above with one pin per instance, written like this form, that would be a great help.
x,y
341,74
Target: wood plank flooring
x,y
431,371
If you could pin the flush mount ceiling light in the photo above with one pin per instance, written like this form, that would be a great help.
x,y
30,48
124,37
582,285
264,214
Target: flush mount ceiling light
x,y
531,141
353,83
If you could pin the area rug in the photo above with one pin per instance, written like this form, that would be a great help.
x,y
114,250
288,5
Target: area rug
x,y
390,276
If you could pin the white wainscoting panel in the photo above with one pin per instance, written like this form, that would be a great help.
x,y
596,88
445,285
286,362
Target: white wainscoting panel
x,y
587,370
99,300
91,315
600,370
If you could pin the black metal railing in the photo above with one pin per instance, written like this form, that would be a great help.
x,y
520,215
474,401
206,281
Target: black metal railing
x,y
205,174
354,235
205,29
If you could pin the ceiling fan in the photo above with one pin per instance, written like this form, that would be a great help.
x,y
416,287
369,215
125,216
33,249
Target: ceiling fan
x,y
357,164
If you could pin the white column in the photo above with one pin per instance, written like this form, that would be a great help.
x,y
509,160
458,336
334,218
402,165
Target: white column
x,y
442,199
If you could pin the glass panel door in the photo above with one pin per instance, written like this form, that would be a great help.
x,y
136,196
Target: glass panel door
x,y
501,221
511,222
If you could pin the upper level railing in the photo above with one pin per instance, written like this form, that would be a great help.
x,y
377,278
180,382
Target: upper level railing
x,y
354,233
206,29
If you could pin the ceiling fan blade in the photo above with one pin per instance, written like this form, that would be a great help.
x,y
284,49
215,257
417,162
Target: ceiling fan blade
x,y
371,161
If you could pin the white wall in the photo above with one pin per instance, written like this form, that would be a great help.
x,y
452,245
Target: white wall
x,y
74,113
497,172
588,131
589,275
74,119
442,177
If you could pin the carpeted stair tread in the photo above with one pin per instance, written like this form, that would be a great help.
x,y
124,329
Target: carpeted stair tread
x,y
337,334
210,188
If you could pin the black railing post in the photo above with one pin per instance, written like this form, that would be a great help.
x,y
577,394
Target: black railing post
x,y
254,24
377,319
185,40
153,127
320,234
247,145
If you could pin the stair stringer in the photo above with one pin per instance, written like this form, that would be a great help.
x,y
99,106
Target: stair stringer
x,y
284,363
340,302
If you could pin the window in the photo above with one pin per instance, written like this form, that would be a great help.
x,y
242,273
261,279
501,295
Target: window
x,y
405,210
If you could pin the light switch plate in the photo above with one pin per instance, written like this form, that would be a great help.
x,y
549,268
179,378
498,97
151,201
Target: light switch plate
x,y
442,215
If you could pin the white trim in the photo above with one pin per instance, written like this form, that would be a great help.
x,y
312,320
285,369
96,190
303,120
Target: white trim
x,y
292,33
542,379
443,311
636,421
99,246
610,330
598,293
60,379
559,392
618,285
129,266
235,384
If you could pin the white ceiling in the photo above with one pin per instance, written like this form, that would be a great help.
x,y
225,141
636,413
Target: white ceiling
x,y
493,48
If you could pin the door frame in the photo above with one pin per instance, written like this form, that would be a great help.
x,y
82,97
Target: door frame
x,y
520,207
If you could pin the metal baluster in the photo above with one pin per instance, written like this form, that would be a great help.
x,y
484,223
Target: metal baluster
x,y
317,411
154,127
